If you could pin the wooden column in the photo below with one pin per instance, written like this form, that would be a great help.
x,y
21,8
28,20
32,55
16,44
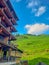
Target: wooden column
x,y
9,53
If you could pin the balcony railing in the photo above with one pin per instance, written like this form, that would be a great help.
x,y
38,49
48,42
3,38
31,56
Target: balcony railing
x,y
7,59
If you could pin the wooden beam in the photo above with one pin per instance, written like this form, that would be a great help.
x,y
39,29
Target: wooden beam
x,y
13,21
2,3
7,11
5,17
6,32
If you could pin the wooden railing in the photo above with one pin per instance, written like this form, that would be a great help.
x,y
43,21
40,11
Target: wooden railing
x,y
7,59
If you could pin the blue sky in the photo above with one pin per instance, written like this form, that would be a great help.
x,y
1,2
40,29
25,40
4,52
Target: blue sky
x,y
33,16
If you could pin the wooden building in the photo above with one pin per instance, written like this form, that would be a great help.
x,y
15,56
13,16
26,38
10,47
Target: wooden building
x,y
8,19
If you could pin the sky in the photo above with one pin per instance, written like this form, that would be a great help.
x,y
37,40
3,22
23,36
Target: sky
x,y
33,16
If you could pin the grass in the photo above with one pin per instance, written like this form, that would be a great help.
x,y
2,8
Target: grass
x,y
35,48
36,60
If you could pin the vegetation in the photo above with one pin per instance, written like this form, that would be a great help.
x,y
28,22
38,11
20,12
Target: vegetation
x,y
35,48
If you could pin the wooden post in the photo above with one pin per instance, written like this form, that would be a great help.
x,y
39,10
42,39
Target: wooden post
x,y
9,53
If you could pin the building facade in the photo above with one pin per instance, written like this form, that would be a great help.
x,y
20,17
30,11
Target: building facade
x,y
8,19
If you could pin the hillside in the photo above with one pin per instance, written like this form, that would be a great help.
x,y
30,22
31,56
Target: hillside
x,y
35,48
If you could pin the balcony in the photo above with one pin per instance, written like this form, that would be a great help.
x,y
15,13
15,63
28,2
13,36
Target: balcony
x,y
9,5
7,60
6,32
7,10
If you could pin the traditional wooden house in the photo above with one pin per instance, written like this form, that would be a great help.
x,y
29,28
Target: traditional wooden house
x,y
8,19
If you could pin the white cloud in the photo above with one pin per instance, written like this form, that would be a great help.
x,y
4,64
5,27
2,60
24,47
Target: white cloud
x,y
18,0
32,4
36,7
40,11
37,29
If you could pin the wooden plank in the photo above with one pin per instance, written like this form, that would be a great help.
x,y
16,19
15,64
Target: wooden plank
x,y
2,3
5,18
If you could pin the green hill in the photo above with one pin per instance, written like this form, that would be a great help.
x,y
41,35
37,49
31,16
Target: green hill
x,y
35,48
